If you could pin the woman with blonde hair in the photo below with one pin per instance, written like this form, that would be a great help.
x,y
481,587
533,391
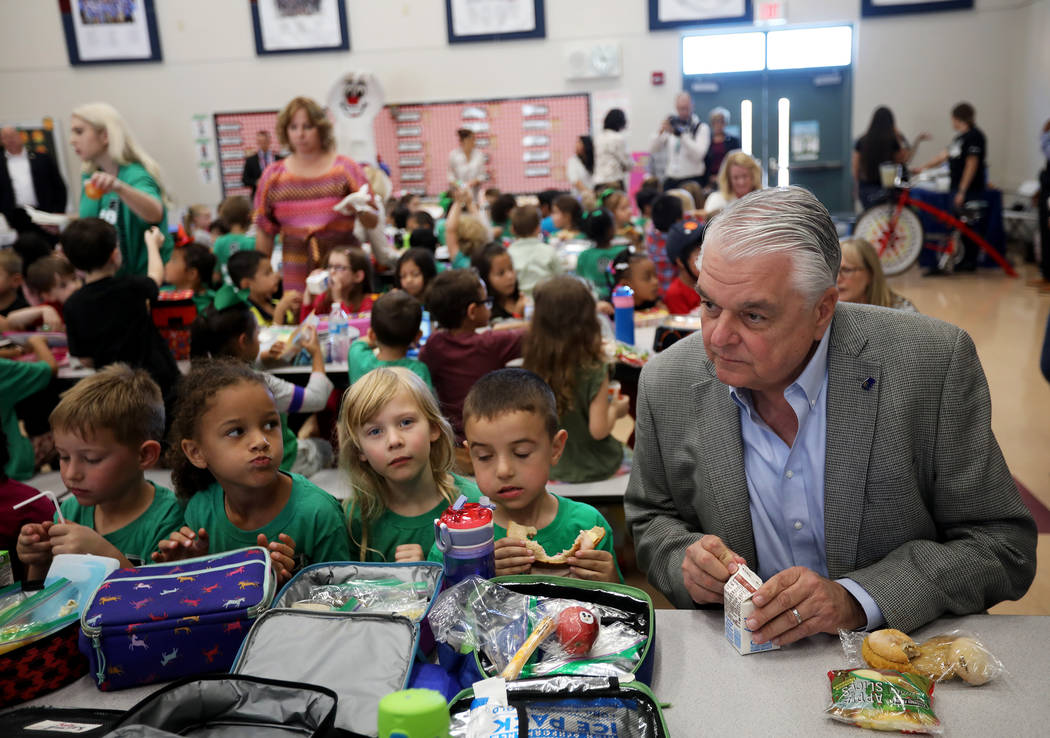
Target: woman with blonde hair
x,y
862,280
397,449
121,183
740,175
296,196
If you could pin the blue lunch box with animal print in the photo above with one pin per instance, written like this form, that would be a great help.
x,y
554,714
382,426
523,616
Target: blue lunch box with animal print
x,y
157,623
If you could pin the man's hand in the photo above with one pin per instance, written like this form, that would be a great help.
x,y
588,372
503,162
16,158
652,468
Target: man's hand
x,y
72,538
597,566
408,552
512,557
665,126
182,544
824,606
282,553
707,566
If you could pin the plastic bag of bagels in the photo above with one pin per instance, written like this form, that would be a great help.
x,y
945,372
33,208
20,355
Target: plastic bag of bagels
x,y
955,654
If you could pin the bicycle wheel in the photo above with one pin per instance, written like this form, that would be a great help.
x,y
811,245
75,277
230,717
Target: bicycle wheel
x,y
902,247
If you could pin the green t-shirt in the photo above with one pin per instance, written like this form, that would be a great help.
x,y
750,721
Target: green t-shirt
x,y
461,261
593,265
291,444
138,539
18,380
586,459
571,518
312,518
391,530
361,360
226,246
130,227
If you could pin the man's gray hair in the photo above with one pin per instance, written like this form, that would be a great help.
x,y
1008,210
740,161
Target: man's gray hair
x,y
787,220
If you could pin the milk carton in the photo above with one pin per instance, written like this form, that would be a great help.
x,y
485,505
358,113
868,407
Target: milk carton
x,y
737,593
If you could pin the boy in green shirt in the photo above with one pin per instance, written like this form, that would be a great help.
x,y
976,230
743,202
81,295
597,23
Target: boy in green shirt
x,y
236,211
190,268
107,430
511,422
394,328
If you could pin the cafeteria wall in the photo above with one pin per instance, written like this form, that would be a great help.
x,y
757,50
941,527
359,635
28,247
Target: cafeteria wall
x,y
920,65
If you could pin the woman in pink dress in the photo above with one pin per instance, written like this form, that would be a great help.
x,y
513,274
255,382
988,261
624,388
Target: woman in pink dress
x,y
295,195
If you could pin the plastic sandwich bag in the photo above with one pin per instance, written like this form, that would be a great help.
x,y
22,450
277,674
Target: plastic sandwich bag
x,y
955,654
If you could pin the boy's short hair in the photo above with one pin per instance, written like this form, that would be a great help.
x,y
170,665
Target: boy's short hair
x,y
451,294
395,319
422,218
667,210
220,225
236,210
645,197
500,211
511,390
423,238
199,257
123,400
244,265
964,113
10,261
89,242
525,221
29,247
43,274
400,215
547,197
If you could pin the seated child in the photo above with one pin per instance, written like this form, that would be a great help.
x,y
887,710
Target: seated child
x,y
228,329
19,380
683,248
495,268
533,259
668,209
594,264
15,312
619,206
236,212
422,238
644,199
11,297
546,200
349,283
398,451
416,269
500,209
513,438
466,236
190,268
196,222
107,431
394,328
252,271
54,279
108,320
636,270
567,354
226,443
567,217
457,355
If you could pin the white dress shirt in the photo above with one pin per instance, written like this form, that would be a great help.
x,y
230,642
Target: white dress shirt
x,y
21,178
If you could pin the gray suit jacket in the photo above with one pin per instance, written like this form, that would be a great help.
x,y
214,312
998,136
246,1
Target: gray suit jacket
x,y
919,506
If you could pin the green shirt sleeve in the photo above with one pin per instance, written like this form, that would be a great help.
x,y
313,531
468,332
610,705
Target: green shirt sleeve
x,y
18,380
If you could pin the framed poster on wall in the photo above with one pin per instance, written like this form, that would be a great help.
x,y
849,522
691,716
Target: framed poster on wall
x,y
299,26
869,8
110,31
664,14
494,20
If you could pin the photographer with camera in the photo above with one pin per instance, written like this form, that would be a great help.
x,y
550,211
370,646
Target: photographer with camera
x,y
685,138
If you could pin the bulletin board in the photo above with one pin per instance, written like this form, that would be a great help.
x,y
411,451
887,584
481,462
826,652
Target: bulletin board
x,y
526,141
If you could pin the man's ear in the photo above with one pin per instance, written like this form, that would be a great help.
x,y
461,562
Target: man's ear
x,y
149,454
825,310
558,445
193,453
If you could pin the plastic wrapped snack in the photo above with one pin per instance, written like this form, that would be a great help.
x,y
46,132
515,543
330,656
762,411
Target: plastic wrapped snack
x,y
955,654
883,700
408,599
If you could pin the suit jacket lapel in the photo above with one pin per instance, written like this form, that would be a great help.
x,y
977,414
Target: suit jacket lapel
x,y
853,399
721,470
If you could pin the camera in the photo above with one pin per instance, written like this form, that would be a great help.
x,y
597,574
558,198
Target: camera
x,y
678,126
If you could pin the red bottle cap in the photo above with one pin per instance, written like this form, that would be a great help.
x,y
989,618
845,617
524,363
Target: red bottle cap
x,y
470,515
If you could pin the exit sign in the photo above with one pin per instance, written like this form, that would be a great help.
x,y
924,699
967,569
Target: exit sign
x,y
771,12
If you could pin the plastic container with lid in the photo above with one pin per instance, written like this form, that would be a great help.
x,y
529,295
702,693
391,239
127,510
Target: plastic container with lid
x,y
465,535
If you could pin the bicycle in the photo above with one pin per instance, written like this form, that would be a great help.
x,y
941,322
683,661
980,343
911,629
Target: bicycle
x,y
896,232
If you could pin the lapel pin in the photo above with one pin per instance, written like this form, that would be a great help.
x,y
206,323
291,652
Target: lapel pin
x,y
868,383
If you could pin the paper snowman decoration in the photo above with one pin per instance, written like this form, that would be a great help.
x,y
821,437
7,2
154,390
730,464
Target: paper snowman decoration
x,y
355,100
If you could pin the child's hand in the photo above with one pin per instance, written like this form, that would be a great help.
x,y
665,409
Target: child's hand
x,y
182,544
512,557
310,341
274,352
154,238
282,553
291,300
50,318
621,405
597,566
34,544
408,552
606,308
72,538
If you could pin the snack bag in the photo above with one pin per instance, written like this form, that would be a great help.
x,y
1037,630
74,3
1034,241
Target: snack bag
x,y
883,700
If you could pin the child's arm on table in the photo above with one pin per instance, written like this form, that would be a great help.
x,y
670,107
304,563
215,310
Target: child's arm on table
x,y
282,552
181,544
512,557
72,538
34,549
155,264
18,320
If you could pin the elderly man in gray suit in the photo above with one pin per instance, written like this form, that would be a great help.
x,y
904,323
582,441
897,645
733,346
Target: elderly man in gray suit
x,y
843,452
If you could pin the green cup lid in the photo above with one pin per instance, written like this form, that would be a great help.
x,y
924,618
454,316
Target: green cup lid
x,y
413,713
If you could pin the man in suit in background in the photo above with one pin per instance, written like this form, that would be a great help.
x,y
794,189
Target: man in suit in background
x,y
28,178
843,452
257,162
